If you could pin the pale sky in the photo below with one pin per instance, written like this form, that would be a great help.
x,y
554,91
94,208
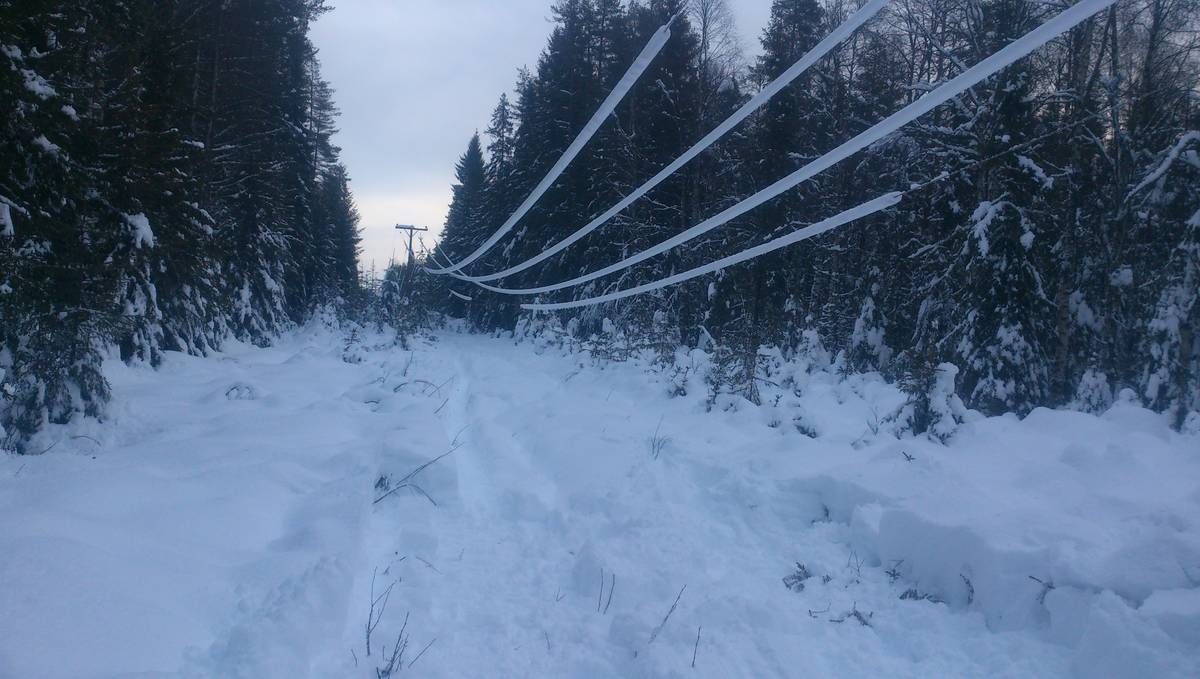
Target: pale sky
x,y
414,79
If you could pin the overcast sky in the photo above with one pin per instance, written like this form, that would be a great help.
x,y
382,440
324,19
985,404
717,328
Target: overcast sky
x,y
414,79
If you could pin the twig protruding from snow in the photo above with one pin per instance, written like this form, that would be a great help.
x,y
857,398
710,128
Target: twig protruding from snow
x,y
414,660
373,618
696,648
603,610
864,620
661,625
404,482
611,587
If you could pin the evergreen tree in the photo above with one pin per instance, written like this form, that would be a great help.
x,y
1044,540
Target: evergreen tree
x,y
465,228
166,178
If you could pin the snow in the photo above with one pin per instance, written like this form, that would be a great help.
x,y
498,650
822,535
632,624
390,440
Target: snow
x,y
47,146
639,66
1192,136
1121,277
982,218
6,221
224,523
1027,163
1012,52
758,101
143,235
70,112
37,84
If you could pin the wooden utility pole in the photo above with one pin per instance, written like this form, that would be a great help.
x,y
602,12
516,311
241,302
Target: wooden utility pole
x,y
412,259
412,230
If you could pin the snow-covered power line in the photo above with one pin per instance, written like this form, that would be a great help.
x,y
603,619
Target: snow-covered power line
x,y
1007,55
811,57
639,66
858,212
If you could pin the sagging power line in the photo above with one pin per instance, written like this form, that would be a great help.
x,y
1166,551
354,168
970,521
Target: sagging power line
x,y
1004,57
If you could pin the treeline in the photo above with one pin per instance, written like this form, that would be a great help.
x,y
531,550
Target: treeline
x,y
1052,251
167,180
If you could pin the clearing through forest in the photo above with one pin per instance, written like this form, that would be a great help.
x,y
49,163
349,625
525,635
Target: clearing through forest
x,y
227,522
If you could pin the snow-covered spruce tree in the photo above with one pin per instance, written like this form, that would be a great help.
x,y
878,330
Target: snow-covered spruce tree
x,y
1170,201
466,226
1075,205
165,236
933,407
159,175
794,128
661,122
502,196
767,301
735,358
56,311
554,105
995,316
337,249
861,259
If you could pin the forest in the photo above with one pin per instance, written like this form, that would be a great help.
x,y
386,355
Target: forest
x,y
167,181
858,342
1049,247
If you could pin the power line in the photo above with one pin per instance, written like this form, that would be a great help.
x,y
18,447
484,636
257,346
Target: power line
x,y
1015,50
811,57
639,66
857,212
1012,52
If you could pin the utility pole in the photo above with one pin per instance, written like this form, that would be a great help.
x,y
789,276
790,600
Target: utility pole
x,y
412,259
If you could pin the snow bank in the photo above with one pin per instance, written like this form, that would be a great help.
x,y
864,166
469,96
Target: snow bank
x,y
6,221
1084,529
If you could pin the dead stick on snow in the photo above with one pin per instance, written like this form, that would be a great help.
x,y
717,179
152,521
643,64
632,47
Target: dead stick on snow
x,y
414,660
402,482
696,647
661,625
611,587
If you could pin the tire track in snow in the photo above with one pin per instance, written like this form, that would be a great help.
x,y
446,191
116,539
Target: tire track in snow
x,y
494,461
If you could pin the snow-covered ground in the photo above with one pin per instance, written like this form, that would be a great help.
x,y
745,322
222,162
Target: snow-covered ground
x,y
224,523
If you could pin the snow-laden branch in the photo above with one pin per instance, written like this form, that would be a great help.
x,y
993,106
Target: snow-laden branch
x,y
1172,156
